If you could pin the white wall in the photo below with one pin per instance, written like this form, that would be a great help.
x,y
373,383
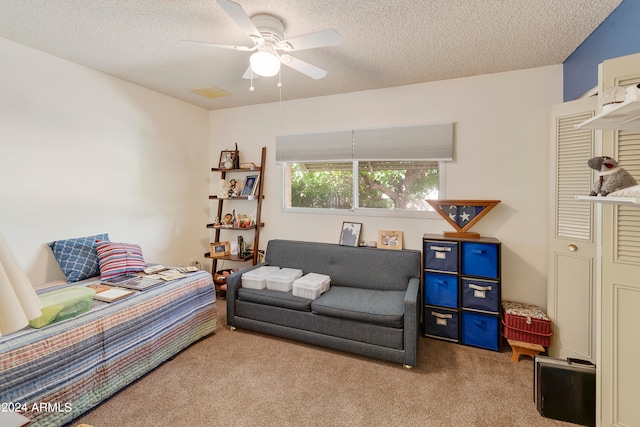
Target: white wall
x,y
83,153
501,132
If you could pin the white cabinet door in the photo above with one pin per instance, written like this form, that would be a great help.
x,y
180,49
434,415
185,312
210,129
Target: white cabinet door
x,y
571,290
619,368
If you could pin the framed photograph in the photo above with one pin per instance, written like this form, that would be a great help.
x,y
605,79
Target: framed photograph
x,y
256,186
350,234
229,159
219,249
249,185
390,239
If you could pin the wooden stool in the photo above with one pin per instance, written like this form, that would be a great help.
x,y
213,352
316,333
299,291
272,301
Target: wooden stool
x,y
519,347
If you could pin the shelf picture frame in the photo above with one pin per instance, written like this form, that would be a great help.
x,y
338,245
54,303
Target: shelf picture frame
x,y
229,159
256,186
350,233
249,188
220,249
390,239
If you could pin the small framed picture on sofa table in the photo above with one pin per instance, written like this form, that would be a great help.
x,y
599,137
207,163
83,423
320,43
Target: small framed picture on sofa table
x,y
350,234
390,239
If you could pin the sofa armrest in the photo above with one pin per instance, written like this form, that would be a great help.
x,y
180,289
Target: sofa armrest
x,y
234,282
411,322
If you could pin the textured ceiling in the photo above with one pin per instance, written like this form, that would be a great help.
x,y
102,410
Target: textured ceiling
x,y
385,43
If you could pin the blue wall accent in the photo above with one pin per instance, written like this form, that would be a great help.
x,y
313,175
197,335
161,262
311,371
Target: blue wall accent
x,y
618,35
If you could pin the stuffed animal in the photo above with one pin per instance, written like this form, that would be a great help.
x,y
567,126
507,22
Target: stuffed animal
x,y
611,176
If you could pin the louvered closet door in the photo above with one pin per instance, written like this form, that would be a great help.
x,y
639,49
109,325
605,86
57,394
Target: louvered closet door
x,y
627,222
620,334
571,287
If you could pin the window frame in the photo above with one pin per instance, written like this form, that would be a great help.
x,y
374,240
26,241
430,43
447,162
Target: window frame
x,y
357,211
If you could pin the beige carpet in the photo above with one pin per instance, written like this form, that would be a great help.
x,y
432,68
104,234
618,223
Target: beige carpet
x,y
241,378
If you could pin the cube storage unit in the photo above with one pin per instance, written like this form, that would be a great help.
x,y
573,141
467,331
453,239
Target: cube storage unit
x,y
462,290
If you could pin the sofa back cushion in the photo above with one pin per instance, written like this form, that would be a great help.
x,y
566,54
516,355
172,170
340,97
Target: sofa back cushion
x,y
368,268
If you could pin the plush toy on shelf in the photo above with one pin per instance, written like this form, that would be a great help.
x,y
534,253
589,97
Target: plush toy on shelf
x,y
612,177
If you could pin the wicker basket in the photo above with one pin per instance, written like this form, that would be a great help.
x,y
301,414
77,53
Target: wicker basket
x,y
526,323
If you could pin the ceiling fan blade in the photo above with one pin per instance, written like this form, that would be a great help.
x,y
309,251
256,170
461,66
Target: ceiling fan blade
x,y
240,17
247,74
303,67
309,41
223,46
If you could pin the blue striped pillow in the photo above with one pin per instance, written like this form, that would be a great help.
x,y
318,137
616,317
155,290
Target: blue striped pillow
x,y
119,258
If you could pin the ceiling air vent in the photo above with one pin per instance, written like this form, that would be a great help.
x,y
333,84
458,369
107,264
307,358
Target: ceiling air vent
x,y
210,92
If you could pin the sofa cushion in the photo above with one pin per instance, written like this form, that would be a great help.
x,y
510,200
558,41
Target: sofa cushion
x,y
296,324
274,298
365,305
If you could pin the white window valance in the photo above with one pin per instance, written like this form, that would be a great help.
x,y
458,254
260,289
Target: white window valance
x,y
425,142
315,147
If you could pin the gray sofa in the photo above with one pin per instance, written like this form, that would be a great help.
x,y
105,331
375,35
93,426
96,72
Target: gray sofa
x,y
372,307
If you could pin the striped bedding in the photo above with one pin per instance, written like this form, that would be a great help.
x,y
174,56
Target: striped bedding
x,y
54,374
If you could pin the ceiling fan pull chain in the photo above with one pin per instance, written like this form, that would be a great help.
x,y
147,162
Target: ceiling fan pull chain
x,y
251,88
280,101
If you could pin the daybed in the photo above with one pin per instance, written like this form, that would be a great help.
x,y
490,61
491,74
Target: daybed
x,y
371,308
54,374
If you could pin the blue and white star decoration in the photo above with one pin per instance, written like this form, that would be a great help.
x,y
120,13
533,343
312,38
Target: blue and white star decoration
x,y
462,215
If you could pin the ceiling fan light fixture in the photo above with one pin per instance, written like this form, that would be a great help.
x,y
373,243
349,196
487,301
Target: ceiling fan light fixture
x,y
270,48
265,63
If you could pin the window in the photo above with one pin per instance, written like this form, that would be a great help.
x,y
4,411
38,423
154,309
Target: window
x,y
368,171
319,185
397,185
379,185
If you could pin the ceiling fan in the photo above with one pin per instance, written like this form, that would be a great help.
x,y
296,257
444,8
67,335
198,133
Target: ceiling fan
x,y
269,46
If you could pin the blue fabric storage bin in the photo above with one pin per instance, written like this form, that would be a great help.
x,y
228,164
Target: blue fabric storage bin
x,y
480,294
480,259
480,330
441,323
441,289
441,256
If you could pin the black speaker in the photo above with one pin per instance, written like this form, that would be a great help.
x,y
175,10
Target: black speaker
x,y
565,389
241,247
